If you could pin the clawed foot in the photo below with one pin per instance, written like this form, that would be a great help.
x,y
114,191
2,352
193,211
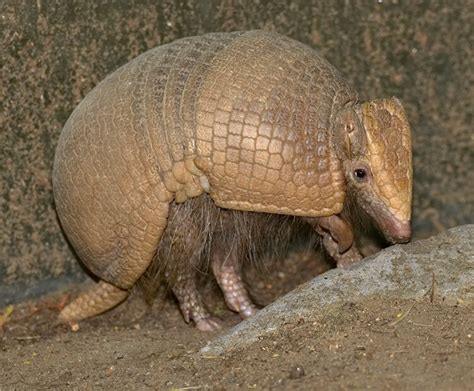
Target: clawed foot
x,y
247,312
191,305
208,324
338,239
347,258
241,303
235,294
195,311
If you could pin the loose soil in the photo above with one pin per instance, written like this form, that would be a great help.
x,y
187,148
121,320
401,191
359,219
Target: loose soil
x,y
374,344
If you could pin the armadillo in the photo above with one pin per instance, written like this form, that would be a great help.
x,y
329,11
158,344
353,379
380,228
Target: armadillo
x,y
252,121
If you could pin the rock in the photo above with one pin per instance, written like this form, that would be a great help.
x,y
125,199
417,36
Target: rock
x,y
444,261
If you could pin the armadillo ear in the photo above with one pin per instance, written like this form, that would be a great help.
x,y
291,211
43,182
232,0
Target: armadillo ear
x,y
350,137
357,138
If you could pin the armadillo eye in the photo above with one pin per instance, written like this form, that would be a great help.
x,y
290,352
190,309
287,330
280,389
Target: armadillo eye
x,y
360,174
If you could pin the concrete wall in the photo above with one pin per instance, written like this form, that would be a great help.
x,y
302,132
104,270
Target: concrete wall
x,y
53,52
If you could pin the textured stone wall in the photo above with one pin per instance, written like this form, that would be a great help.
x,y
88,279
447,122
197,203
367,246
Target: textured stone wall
x,y
53,52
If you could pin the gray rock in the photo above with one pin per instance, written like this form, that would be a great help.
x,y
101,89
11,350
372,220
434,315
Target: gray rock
x,y
401,271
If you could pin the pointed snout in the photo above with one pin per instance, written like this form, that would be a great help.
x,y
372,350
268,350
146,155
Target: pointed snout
x,y
396,227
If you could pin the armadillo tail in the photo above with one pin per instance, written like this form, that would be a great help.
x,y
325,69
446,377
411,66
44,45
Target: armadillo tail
x,y
100,298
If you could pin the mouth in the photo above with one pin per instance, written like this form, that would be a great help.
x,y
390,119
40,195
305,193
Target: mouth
x,y
394,229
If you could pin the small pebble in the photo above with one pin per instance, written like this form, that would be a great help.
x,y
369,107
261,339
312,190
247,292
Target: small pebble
x,y
296,372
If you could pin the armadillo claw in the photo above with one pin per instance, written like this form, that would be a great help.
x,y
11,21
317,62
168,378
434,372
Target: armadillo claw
x,y
348,258
201,318
208,324
345,259
247,312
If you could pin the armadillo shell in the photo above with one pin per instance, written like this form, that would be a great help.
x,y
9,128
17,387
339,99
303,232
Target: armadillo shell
x,y
253,111
262,125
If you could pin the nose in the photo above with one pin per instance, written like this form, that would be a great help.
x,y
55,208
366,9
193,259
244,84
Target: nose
x,y
399,231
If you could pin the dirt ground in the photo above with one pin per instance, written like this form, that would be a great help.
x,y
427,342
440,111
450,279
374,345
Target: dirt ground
x,y
370,345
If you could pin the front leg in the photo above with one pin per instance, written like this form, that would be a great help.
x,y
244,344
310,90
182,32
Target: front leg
x,y
338,239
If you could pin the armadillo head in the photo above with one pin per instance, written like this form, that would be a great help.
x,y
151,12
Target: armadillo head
x,y
373,140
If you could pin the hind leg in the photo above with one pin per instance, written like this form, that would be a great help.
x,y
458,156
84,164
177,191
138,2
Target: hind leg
x,y
181,259
226,269
190,302
134,258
